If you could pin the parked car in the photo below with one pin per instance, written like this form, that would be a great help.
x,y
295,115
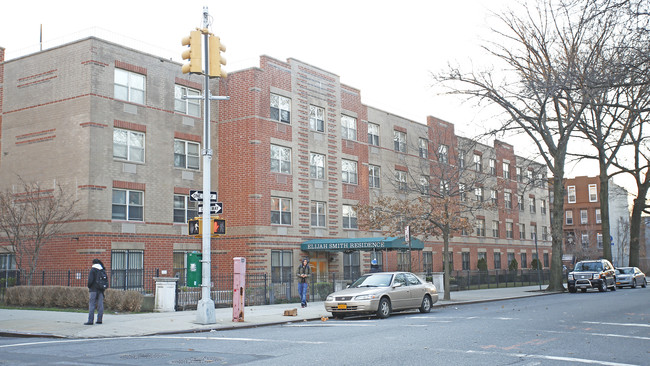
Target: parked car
x,y
598,274
630,276
382,293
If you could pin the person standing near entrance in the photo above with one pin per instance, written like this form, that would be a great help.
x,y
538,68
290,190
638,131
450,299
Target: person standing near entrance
x,y
303,273
96,297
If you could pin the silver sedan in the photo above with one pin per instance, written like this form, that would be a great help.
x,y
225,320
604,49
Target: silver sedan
x,y
630,276
381,293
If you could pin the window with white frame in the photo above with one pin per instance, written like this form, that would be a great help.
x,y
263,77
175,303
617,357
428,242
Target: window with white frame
x,y
533,206
571,194
584,217
444,188
186,154
189,106
520,202
493,166
506,170
569,217
280,159
519,177
128,145
399,139
129,86
478,164
427,262
316,166
522,231
423,147
280,108
184,209
478,193
316,118
280,211
544,232
400,178
281,266
599,240
349,217
424,184
465,258
128,205
348,128
533,232
462,192
495,229
598,218
7,261
542,207
461,159
318,211
593,193
374,174
585,240
509,230
349,171
507,199
443,154
373,134
127,269
540,180
480,227
529,175
493,197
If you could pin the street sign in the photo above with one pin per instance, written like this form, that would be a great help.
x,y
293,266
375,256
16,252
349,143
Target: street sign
x,y
215,208
197,196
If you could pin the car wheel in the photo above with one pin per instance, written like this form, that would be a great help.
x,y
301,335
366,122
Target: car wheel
x,y
613,288
338,315
603,286
426,304
634,283
644,283
572,289
383,311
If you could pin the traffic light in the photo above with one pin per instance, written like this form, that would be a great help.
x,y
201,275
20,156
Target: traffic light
x,y
194,226
218,226
215,47
193,53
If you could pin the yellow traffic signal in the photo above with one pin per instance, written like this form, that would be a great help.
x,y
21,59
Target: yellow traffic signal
x,y
215,47
194,227
193,53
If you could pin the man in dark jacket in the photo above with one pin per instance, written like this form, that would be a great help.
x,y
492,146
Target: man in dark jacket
x,y
303,273
96,297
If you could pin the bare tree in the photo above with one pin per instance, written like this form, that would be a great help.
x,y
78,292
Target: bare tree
x,y
32,216
546,54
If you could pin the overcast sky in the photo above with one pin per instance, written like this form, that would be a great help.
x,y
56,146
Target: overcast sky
x,y
387,49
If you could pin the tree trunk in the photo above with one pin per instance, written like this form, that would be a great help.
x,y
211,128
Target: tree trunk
x,y
635,225
604,211
445,254
557,233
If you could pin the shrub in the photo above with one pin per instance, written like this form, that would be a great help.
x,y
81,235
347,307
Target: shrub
x,y
513,265
536,264
482,264
322,289
70,297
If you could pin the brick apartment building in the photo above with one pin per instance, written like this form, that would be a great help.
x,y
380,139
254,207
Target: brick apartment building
x,y
295,152
583,237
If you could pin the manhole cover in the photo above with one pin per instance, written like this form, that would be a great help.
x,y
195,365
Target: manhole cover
x,y
137,356
198,360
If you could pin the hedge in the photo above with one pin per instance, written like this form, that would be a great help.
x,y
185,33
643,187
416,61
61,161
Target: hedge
x,y
71,298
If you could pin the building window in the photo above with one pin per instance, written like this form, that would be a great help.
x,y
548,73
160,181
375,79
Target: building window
x,y
423,148
542,207
585,240
450,261
374,174
495,229
584,217
280,108
598,218
533,207
497,260
351,266
427,262
493,167
544,233
462,192
187,106
478,165
522,231
127,269
128,145
128,205
280,211
521,202
569,217
478,192
316,118
318,210
184,209
373,134
280,159
186,154
480,227
529,174
129,86
524,261
400,178
507,198
461,159
348,128
444,188
316,166
593,193
349,217
465,261
533,232
509,230
519,176
281,266
403,261
540,180
443,154
424,185
571,194
349,171
506,170
511,257
546,260
493,197
7,262
599,240
399,139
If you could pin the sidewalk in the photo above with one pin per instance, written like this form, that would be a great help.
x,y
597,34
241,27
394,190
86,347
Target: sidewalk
x,y
34,323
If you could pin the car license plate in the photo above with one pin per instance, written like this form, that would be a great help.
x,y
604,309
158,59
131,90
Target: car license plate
x,y
343,306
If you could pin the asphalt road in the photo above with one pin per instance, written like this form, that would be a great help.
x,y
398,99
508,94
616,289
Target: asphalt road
x,y
592,328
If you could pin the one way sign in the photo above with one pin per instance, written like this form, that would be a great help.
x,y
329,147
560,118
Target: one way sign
x,y
215,208
197,196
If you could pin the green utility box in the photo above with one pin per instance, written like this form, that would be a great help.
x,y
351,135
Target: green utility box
x,y
194,273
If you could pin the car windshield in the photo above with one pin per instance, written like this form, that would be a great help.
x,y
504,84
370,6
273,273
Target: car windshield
x,y
373,280
625,270
589,266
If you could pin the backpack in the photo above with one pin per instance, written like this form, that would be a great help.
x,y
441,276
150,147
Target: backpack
x,y
102,280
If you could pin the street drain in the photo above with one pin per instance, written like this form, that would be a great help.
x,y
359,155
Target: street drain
x,y
138,356
196,360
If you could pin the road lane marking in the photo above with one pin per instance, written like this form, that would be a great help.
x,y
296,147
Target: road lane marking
x,y
206,338
323,324
541,357
598,334
621,324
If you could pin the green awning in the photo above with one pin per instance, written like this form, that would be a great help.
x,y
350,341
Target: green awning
x,y
377,243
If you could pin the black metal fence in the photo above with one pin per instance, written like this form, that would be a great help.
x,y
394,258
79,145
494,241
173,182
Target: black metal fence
x,y
474,280
132,279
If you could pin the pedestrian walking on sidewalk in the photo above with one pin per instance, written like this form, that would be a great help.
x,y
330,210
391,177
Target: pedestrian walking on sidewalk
x,y
303,273
97,283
